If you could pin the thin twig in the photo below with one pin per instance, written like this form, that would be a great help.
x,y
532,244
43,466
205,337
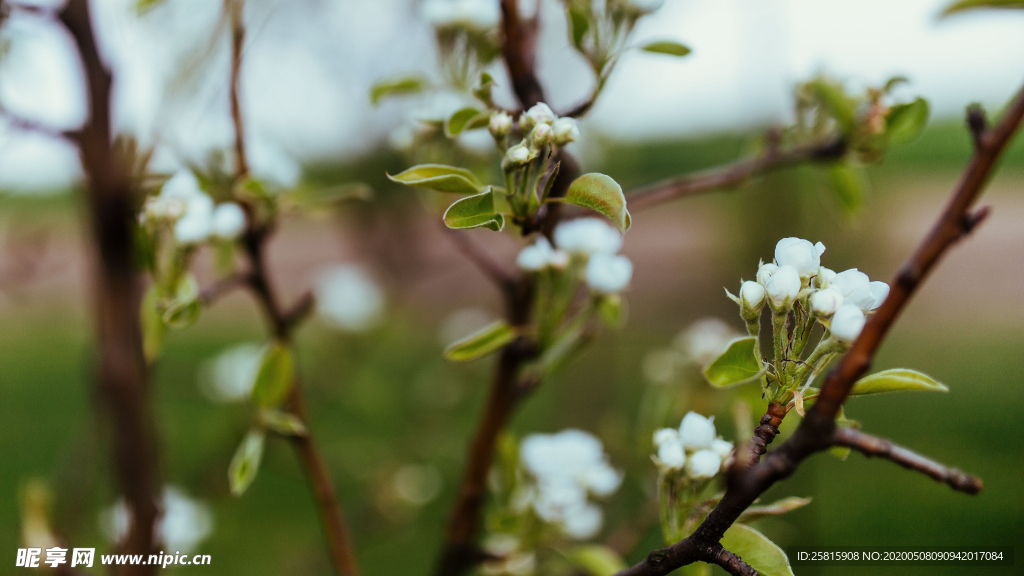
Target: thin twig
x,y
502,275
875,447
122,378
519,52
733,174
222,287
816,432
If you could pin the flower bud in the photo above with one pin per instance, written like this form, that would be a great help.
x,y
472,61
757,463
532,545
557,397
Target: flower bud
x,y
858,289
671,454
847,323
608,273
541,135
500,124
587,236
765,272
566,130
538,114
799,254
703,464
722,447
559,259
752,296
783,287
824,303
697,432
517,156
825,277
228,221
536,256
665,435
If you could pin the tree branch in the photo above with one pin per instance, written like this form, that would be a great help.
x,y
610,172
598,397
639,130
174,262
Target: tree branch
x,y
817,431
519,52
733,564
734,174
234,8
222,287
122,378
873,446
502,276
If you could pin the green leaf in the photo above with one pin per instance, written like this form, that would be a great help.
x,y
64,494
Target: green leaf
x,y
276,376
246,462
477,211
612,310
438,177
153,327
777,508
396,87
896,380
963,5
602,194
757,550
832,97
905,122
184,310
738,364
482,91
580,25
596,560
284,423
849,184
481,343
461,120
667,47
894,82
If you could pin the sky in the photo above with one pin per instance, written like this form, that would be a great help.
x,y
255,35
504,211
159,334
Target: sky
x,y
309,65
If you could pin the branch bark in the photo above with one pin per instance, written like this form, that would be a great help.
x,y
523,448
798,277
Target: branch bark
x,y
122,378
519,48
818,430
734,174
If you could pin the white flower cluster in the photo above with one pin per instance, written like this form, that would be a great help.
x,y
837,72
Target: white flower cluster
x,y
182,526
474,14
693,447
541,127
590,240
347,298
838,299
230,376
567,468
192,213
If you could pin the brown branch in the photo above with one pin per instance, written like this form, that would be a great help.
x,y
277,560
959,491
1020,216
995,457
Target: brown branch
x,y
503,276
282,324
733,564
122,378
222,287
734,174
875,447
765,433
519,52
817,431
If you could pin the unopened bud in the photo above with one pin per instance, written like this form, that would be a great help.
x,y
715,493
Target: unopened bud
x,y
783,287
500,124
824,303
765,272
541,135
847,323
566,130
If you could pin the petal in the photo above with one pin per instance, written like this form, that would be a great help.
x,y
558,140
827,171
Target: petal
x,y
879,291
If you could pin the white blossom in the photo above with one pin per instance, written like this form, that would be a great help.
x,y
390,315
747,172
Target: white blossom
x,y
825,277
500,124
587,236
672,454
704,340
752,295
825,302
722,447
539,113
847,323
800,254
858,289
536,256
182,526
765,272
696,432
196,225
568,467
347,298
703,464
183,184
230,376
541,135
608,273
519,154
664,435
566,130
228,221
783,287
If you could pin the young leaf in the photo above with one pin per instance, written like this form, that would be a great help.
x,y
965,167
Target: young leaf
x,y
905,122
153,327
834,99
184,310
396,87
459,121
757,550
596,560
477,211
246,462
284,423
276,375
667,47
602,194
438,177
774,509
896,380
849,185
580,25
738,364
481,343
963,5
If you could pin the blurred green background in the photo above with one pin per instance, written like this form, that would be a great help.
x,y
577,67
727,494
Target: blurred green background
x,y
385,399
